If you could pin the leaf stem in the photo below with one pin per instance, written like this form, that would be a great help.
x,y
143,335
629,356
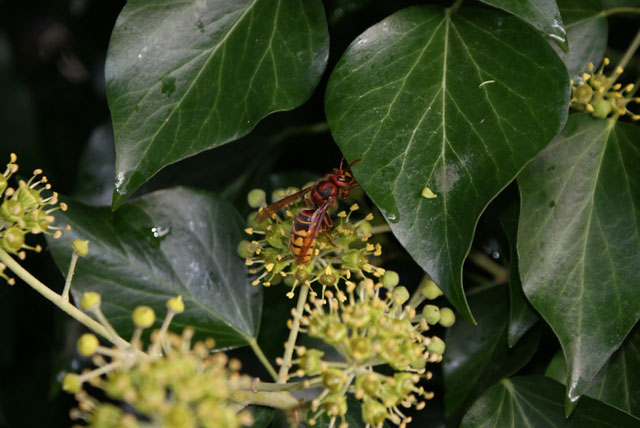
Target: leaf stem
x,y
253,343
57,300
67,282
381,228
615,10
293,335
499,272
278,400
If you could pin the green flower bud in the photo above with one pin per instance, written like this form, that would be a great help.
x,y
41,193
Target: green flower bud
x,y
334,333
180,416
400,295
601,108
405,383
351,258
116,384
257,198
369,383
71,383
11,210
583,93
243,249
361,348
447,317
311,362
176,304
335,404
38,221
80,247
87,344
436,346
333,379
277,238
12,239
143,316
373,412
251,221
390,279
90,300
364,228
105,416
430,290
360,316
29,198
431,314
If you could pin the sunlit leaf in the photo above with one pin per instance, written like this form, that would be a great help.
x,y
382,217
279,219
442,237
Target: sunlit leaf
x,y
438,100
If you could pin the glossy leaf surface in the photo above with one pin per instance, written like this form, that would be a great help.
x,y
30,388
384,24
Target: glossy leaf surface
x,y
579,242
430,98
522,316
479,356
587,31
183,77
541,14
537,402
618,383
170,242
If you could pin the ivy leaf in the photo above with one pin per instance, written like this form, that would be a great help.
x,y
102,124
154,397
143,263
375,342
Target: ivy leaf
x,y
479,356
587,31
262,416
541,14
522,316
170,242
183,77
436,99
618,383
579,242
535,401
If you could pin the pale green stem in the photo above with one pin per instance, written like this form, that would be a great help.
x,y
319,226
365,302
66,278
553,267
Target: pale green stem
x,y
615,10
293,335
253,343
67,282
499,272
105,322
277,400
381,228
57,300
99,371
417,298
293,386
155,347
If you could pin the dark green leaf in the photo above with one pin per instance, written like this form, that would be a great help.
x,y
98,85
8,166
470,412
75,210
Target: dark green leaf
x,y
618,383
436,99
183,77
262,416
541,14
96,169
611,4
579,243
587,31
537,402
170,242
522,316
479,356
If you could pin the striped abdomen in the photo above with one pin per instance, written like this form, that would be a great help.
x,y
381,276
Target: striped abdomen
x,y
303,235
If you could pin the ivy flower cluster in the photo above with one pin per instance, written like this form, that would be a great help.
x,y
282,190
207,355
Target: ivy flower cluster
x,y
372,325
601,96
341,252
174,384
25,210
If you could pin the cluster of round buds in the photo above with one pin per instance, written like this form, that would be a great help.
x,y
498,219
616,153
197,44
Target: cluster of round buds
x,y
601,96
342,252
174,383
25,210
369,325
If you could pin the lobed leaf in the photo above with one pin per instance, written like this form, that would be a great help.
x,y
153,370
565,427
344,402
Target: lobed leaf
x,y
183,77
170,242
579,241
536,401
438,99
